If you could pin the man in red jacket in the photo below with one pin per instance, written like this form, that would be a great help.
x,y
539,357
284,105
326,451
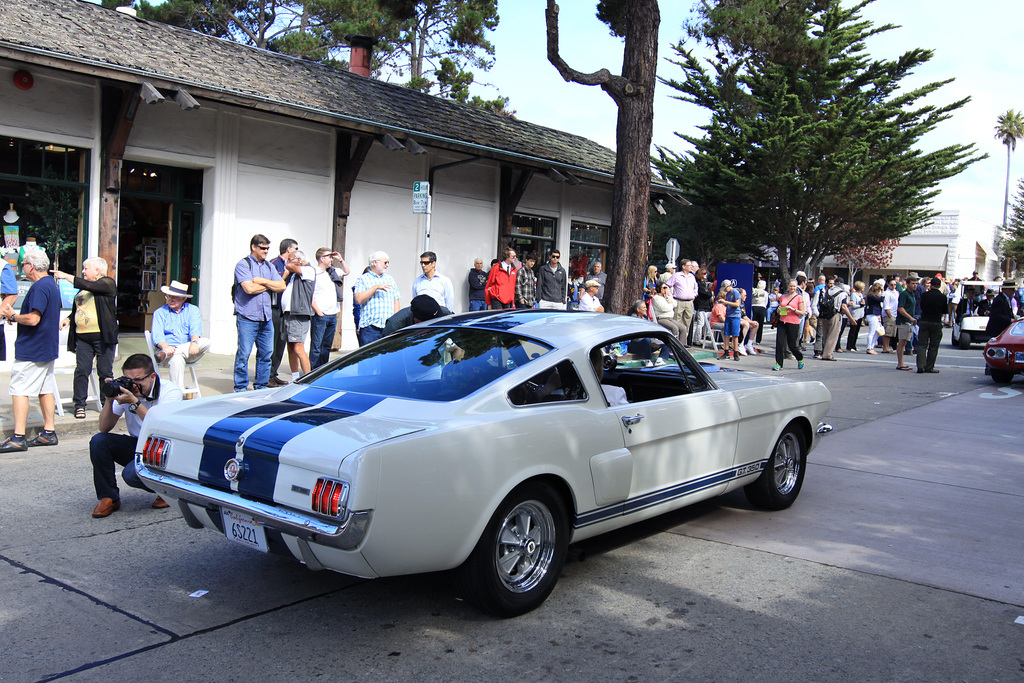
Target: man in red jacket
x,y
500,291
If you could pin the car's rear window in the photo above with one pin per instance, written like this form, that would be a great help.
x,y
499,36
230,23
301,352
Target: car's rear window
x,y
430,364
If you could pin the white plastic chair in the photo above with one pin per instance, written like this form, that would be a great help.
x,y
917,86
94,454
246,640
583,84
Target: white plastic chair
x,y
192,388
94,391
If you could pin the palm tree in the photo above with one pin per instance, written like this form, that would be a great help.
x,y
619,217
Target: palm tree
x,y
1010,128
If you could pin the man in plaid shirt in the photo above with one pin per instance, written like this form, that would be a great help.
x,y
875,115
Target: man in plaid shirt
x,y
526,283
377,293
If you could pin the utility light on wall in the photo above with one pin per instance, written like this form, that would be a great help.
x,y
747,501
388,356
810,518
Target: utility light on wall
x,y
414,147
390,142
185,101
150,95
554,175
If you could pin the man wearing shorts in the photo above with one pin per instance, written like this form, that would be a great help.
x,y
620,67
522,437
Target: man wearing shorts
x,y
34,353
906,318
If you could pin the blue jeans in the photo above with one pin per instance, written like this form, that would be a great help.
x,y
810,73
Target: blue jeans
x,y
321,335
369,334
261,333
477,305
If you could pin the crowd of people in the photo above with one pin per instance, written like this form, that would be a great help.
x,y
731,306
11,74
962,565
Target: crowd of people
x,y
281,302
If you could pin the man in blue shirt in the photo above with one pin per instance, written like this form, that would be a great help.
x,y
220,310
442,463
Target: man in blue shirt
x,y
178,332
255,279
34,352
376,292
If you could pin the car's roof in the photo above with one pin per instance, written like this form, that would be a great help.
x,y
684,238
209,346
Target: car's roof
x,y
556,328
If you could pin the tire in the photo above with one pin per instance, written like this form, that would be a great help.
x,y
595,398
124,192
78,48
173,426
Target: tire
x,y
965,341
1001,376
519,557
783,475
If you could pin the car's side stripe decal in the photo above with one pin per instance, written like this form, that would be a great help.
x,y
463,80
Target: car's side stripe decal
x,y
270,427
665,495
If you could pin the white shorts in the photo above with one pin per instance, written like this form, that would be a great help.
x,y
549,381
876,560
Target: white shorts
x,y
31,379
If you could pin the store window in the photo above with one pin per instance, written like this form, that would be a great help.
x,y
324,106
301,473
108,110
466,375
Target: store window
x,y
43,200
587,243
533,234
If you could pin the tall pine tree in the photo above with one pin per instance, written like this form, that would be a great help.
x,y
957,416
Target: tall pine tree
x,y
811,145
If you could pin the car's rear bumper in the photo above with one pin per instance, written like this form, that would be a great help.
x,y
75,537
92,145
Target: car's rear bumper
x,y
344,534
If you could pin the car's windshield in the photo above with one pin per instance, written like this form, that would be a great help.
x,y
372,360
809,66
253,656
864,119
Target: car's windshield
x,y
430,364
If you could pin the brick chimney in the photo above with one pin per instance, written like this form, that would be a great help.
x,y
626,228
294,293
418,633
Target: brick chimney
x,y
360,54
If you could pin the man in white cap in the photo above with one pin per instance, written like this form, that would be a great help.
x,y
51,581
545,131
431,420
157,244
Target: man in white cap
x,y
178,332
670,270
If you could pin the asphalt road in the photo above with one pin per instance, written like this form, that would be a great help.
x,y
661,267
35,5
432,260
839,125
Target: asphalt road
x,y
901,560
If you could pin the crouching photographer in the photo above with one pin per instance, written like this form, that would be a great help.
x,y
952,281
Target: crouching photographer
x,y
131,395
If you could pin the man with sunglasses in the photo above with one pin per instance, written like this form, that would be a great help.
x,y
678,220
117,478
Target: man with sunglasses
x,y
144,391
552,282
255,279
376,292
432,283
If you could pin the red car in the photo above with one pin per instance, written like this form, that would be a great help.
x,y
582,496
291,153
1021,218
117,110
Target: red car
x,y
1004,353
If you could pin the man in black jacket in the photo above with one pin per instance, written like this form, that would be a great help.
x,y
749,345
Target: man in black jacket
x,y
551,283
1001,314
93,320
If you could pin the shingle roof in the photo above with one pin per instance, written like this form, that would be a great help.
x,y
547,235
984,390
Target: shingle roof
x,y
81,36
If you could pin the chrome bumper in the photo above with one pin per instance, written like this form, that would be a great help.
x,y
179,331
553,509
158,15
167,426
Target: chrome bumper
x,y
344,535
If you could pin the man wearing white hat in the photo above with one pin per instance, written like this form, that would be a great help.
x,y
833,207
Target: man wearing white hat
x,y
178,332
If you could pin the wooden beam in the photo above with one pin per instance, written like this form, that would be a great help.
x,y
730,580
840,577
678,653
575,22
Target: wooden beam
x,y
348,163
113,145
511,195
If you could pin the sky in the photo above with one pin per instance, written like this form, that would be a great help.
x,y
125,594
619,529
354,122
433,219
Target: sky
x,y
980,44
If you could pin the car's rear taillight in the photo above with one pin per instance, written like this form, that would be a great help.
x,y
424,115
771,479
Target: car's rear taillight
x,y
330,497
155,452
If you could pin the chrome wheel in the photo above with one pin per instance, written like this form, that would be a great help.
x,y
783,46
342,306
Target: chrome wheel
x,y
786,463
525,546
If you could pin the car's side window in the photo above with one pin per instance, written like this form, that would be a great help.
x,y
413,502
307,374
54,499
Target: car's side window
x,y
649,367
560,383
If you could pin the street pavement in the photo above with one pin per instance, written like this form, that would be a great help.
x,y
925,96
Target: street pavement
x,y
901,561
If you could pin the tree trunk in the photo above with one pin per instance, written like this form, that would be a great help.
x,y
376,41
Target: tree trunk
x,y
627,257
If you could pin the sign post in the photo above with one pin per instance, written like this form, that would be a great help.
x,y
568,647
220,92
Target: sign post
x,y
672,250
421,204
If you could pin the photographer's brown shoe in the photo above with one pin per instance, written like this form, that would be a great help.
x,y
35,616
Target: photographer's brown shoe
x,y
105,507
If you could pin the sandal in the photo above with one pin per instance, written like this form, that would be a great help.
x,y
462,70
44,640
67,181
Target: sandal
x,y
902,367
79,413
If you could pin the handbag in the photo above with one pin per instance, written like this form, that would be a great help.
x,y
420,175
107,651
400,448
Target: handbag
x,y
776,318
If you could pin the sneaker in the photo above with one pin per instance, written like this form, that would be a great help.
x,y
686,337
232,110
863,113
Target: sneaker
x,y
742,351
44,438
800,365
13,444
777,367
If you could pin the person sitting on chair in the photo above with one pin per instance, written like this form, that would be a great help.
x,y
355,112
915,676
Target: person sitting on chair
x,y
178,332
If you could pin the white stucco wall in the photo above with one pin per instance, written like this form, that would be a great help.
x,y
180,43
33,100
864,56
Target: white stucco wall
x,y
274,175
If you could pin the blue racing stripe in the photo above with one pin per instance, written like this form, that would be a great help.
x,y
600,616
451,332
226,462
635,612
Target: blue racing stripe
x,y
661,496
263,446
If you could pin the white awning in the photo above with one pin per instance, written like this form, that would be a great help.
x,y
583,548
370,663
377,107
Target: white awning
x,y
924,258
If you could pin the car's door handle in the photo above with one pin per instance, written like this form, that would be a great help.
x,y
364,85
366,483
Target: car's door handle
x,y
630,420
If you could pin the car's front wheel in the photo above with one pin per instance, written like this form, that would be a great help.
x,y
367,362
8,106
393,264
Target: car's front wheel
x,y
518,558
1001,376
783,475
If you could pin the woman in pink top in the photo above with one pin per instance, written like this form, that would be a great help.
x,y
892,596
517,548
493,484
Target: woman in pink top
x,y
791,310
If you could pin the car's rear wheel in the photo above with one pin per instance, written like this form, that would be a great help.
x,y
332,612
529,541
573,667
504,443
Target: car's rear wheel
x,y
518,558
1001,376
965,341
783,475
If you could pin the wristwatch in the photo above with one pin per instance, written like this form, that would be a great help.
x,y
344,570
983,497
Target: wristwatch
x,y
133,407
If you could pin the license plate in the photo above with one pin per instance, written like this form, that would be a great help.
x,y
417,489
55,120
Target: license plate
x,y
244,530
1019,357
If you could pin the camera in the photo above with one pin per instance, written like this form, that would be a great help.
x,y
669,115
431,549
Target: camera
x,y
113,387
